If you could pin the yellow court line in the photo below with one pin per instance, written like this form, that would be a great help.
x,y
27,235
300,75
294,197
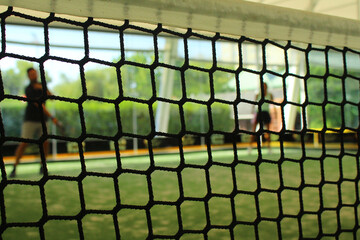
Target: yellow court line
x,y
169,150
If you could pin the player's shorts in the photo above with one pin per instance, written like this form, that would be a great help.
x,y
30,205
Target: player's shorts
x,y
31,130
263,116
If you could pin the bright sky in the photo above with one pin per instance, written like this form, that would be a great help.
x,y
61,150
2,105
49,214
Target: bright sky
x,y
104,46
71,38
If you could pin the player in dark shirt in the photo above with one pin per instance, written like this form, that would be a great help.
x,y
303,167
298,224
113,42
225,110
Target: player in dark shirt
x,y
263,116
35,113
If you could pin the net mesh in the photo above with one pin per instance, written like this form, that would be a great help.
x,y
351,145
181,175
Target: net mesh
x,y
311,194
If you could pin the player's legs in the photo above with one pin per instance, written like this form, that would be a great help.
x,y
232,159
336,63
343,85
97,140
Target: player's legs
x,y
265,118
26,132
268,139
29,130
46,148
252,138
19,152
253,130
46,153
267,121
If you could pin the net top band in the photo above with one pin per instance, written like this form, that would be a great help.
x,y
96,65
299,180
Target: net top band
x,y
233,17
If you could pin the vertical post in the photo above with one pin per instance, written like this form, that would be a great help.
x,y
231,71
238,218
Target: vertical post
x,y
134,117
134,120
53,141
202,139
257,62
166,86
293,91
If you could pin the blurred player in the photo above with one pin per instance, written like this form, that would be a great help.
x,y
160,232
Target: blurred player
x,y
263,116
32,125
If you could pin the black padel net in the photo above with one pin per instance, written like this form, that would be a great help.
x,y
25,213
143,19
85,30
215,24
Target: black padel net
x,y
159,137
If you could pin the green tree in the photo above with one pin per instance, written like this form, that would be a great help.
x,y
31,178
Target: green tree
x,y
68,87
198,82
136,81
103,81
15,79
329,90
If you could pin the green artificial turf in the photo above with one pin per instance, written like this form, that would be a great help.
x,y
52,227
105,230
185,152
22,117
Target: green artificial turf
x,y
265,196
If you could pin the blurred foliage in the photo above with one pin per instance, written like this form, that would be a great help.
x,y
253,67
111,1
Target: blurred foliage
x,y
329,90
12,114
108,83
137,82
100,118
15,79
